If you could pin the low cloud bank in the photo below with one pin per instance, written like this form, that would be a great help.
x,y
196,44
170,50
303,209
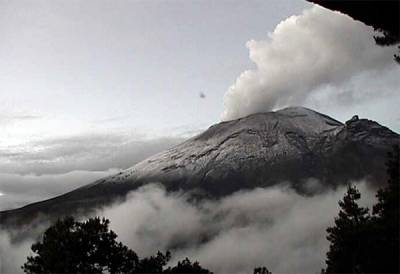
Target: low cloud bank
x,y
82,152
12,254
18,190
51,167
275,227
308,56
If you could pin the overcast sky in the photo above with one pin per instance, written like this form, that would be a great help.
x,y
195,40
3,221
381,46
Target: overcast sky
x,y
95,86
76,66
99,85
90,87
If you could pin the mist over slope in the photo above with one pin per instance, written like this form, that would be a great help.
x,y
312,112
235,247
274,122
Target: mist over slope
x,y
295,145
276,227
259,190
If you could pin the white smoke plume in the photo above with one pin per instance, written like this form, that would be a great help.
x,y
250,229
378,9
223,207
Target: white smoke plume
x,y
316,50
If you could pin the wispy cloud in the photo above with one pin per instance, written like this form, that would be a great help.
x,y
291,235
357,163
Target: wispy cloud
x,y
12,118
49,167
19,190
81,152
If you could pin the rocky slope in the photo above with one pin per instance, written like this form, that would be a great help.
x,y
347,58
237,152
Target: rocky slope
x,y
293,145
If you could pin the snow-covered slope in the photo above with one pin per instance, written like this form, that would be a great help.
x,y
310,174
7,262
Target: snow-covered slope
x,y
232,149
290,145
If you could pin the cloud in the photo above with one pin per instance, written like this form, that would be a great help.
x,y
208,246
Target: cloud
x,y
12,255
22,117
47,168
275,227
18,190
82,152
6,119
306,54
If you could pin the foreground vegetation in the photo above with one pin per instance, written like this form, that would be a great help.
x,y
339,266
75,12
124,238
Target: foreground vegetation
x,y
91,247
361,242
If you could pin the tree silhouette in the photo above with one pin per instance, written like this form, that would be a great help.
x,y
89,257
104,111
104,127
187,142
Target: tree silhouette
x,y
261,270
186,266
153,264
385,226
346,250
69,246
80,247
360,243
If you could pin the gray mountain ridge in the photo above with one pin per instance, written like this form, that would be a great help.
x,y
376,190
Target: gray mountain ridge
x,y
293,145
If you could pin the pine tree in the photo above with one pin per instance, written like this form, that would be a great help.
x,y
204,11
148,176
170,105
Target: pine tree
x,y
385,226
363,243
80,247
347,237
90,246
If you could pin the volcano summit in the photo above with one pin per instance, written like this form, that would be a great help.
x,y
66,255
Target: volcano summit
x,y
294,145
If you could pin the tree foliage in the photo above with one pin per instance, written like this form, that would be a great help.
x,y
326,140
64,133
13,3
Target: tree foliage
x,y
186,266
385,223
346,237
153,264
69,246
80,247
261,270
364,243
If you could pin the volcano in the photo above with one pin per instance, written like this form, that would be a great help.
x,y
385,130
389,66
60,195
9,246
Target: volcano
x,y
294,145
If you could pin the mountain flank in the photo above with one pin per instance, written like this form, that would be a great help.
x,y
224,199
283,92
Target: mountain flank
x,y
294,145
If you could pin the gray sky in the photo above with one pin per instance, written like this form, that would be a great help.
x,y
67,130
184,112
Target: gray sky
x,y
90,87
100,85
70,67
